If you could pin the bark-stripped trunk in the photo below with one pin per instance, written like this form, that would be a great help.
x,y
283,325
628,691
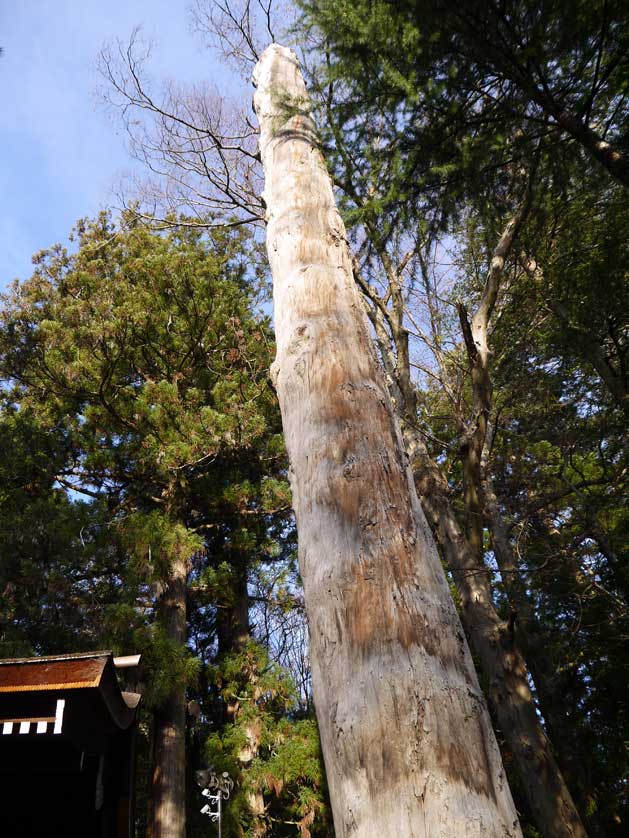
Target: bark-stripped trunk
x,y
406,737
501,662
168,805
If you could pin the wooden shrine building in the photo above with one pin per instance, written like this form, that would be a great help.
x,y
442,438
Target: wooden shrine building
x,y
66,747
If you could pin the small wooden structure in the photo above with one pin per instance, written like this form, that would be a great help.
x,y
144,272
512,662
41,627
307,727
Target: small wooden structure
x,y
66,748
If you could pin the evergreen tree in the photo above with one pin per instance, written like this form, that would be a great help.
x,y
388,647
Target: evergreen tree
x,y
142,359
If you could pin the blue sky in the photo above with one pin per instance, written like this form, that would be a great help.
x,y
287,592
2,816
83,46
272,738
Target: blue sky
x,y
61,154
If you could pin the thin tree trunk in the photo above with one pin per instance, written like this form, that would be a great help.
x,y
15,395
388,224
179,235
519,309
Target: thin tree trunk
x,y
532,644
406,737
168,811
493,641
608,156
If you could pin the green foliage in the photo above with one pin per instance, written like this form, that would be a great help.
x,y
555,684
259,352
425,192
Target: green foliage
x,y
153,541
271,752
135,370
51,548
166,665
417,135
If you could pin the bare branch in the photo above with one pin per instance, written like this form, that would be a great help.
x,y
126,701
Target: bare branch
x,y
199,148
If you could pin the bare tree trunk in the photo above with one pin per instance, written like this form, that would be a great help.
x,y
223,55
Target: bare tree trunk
x,y
168,809
532,644
492,638
406,737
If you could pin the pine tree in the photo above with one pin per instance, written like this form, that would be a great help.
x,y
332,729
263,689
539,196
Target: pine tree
x,y
145,355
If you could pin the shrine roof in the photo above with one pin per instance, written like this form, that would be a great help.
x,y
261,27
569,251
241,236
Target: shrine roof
x,y
87,680
55,672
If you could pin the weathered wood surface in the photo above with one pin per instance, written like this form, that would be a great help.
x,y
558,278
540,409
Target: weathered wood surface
x,y
407,742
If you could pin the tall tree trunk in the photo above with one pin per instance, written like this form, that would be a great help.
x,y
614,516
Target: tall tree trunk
x,y
232,619
492,639
533,645
168,810
406,737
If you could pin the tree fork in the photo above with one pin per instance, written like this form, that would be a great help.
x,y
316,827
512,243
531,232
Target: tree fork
x,y
407,741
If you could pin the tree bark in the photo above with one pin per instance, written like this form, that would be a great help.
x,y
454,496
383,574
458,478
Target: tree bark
x,y
533,647
232,619
168,810
492,639
406,737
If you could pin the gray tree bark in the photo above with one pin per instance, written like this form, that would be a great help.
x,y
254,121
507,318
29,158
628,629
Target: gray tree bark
x,y
492,639
407,741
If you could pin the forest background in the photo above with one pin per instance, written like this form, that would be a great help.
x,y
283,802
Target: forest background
x,y
142,448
